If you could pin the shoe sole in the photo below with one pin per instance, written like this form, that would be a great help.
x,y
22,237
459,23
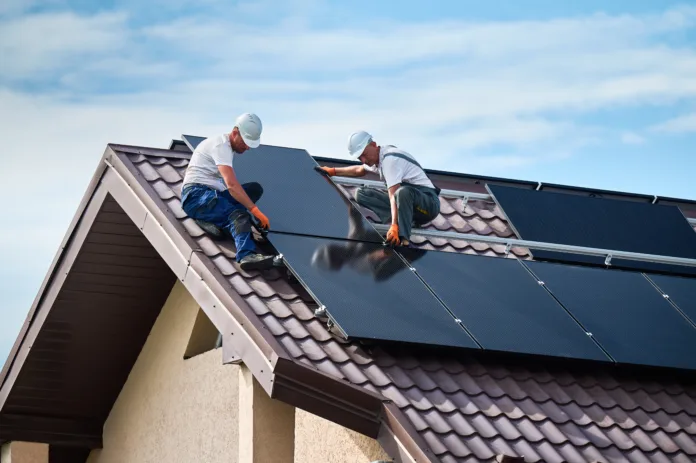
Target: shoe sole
x,y
259,264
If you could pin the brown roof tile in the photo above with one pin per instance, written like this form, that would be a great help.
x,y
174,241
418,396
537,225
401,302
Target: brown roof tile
x,y
465,409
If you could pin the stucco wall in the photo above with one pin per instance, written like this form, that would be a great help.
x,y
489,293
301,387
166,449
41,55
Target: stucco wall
x,y
172,409
24,452
320,440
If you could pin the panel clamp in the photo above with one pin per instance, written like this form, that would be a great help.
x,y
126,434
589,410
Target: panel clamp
x,y
607,260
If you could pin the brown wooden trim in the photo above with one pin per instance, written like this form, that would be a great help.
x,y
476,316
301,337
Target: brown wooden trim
x,y
316,392
52,431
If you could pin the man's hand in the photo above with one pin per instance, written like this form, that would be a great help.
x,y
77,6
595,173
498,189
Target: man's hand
x,y
393,235
263,220
330,171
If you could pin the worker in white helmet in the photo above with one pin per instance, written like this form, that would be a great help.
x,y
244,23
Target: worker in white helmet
x,y
411,198
213,197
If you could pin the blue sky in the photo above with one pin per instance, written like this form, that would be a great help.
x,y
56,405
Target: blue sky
x,y
598,94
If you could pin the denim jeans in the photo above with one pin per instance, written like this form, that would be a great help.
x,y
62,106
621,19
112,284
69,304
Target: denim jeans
x,y
201,202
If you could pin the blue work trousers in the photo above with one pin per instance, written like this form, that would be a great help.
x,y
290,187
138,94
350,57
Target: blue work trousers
x,y
201,202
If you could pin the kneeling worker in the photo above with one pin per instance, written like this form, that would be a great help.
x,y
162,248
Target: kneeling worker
x,y
411,198
213,197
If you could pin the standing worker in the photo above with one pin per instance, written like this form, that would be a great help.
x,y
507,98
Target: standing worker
x,y
411,197
213,197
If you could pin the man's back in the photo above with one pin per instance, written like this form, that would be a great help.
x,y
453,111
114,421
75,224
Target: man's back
x,y
203,166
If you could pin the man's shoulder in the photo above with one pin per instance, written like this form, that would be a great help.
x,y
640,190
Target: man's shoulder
x,y
211,144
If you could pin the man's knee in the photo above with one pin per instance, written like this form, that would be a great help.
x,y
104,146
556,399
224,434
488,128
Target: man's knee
x,y
254,190
360,195
403,194
240,221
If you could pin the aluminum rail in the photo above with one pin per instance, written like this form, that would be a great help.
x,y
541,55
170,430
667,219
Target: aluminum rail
x,y
608,254
446,193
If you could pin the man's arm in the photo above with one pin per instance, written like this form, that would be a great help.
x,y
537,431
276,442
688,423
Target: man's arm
x,y
350,171
235,188
392,201
240,195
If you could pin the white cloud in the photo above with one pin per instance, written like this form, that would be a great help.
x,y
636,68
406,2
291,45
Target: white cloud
x,y
632,138
40,42
685,123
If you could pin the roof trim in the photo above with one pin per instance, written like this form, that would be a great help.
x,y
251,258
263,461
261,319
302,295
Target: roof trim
x,y
72,433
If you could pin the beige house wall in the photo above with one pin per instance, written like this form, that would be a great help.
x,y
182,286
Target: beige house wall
x,y
171,409
24,452
177,410
320,440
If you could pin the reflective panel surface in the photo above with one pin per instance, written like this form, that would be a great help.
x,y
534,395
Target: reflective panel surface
x,y
624,312
612,224
503,306
681,291
369,291
297,199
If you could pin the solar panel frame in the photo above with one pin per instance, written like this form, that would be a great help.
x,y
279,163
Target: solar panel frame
x,y
369,291
651,333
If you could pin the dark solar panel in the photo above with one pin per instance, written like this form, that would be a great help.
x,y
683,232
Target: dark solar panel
x,y
297,199
502,305
612,224
192,141
624,313
369,291
681,291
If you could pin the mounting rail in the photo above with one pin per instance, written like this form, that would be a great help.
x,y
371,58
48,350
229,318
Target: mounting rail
x,y
608,254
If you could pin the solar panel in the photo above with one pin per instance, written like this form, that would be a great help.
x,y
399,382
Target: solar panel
x,y
624,312
297,199
503,306
612,224
369,291
192,141
681,291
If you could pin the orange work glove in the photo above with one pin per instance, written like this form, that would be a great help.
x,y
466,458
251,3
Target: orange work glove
x,y
330,171
393,235
263,220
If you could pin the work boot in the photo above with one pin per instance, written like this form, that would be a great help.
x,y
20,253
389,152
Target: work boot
x,y
256,261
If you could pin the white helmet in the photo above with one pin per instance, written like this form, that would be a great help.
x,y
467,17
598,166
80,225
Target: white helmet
x,y
250,128
357,143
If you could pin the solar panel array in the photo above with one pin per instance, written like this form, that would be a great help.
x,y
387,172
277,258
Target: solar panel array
x,y
373,292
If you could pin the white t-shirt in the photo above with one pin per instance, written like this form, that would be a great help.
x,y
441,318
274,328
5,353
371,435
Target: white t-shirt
x,y
394,170
209,154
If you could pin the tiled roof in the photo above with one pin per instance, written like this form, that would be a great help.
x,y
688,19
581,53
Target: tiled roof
x,y
466,409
